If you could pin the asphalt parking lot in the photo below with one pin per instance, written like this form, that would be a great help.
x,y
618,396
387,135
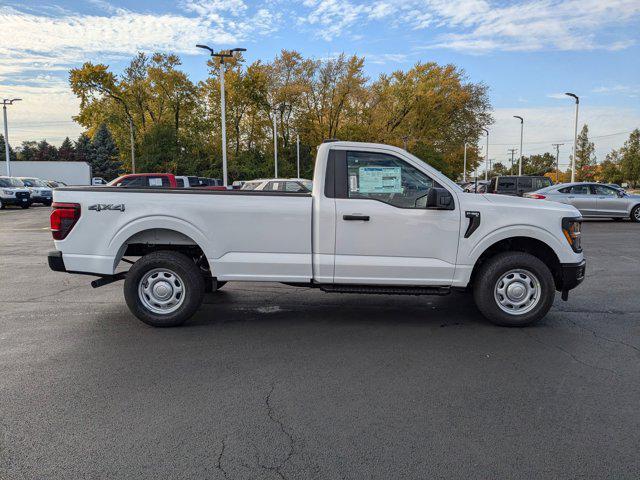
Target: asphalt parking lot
x,y
270,381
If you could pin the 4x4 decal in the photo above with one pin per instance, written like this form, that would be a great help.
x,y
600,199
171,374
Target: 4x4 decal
x,y
107,206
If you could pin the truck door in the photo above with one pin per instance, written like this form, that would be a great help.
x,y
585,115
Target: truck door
x,y
383,234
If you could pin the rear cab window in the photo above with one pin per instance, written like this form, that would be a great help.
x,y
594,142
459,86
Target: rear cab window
x,y
506,184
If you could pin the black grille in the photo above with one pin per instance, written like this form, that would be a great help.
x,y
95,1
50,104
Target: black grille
x,y
21,195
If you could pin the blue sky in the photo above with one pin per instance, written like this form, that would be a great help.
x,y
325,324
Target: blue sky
x,y
527,52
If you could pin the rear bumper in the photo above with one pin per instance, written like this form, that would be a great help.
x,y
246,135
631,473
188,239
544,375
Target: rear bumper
x,y
56,262
571,275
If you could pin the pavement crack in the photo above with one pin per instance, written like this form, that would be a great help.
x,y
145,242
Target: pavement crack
x,y
291,450
597,335
219,466
573,357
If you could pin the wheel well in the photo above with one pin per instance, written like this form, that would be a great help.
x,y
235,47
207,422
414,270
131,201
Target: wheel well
x,y
535,247
153,240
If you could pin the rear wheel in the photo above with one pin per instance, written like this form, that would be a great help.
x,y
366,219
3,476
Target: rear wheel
x,y
635,214
164,289
514,289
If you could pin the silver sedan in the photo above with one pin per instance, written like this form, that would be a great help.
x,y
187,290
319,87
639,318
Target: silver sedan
x,y
593,199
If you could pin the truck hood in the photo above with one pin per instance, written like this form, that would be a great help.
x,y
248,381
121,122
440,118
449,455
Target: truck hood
x,y
531,204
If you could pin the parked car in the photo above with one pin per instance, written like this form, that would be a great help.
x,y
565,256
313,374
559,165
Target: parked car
x,y
279,185
593,199
55,183
186,181
378,220
479,187
13,192
98,181
517,186
144,180
40,191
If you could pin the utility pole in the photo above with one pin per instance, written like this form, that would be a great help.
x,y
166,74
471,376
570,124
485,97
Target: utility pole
x,y
557,145
133,147
464,168
521,132
275,143
575,137
405,139
512,151
298,153
6,102
221,56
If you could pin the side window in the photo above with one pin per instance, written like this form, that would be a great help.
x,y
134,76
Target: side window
x,y
294,187
565,190
159,182
580,190
383,177
273,187
133,182
604,190
507,184
525,183
180,182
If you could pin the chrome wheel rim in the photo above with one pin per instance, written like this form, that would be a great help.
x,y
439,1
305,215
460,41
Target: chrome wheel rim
x,y
161,291
517,292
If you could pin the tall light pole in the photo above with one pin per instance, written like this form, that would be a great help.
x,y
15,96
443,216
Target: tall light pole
x,y
521,132
275,143
298,153
6,102
486,156
221,56
464,168
575,137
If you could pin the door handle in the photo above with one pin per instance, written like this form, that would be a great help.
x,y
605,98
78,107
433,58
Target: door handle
x,y
364,218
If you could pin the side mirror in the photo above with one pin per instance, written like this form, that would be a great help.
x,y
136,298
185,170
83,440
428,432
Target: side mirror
x,y
621,193
439,199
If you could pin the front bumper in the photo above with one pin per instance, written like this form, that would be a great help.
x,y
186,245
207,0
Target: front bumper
x,y
56,262
42,199
16,201
571,275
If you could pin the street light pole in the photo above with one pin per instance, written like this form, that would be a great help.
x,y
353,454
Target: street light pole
x,y
275,143
298,153
575,137
221,56
6,102
464,168
133,147
521,132
486,156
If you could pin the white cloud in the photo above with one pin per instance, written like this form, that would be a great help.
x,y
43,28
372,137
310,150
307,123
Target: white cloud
x,y
632,91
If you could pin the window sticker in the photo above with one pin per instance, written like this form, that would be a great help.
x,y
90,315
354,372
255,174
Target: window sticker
x,y
155,182
380,179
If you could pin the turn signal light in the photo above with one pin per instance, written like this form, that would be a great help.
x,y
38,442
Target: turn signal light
x,y
63,218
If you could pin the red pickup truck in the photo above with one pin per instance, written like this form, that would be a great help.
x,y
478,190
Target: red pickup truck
x,y
133,180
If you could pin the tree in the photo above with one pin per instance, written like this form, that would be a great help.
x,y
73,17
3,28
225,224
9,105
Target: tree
x,y
630,162
12,153
539,164
66,151
45,152
104,155
83,149
28,151
585,157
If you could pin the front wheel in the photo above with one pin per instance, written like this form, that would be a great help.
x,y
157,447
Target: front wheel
x,y
164,289
25,205
635,214
514,289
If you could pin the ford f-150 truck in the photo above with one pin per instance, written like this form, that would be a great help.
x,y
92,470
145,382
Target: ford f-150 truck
x,y
378,220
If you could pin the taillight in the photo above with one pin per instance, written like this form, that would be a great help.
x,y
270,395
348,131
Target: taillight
x,y
63,217
537,196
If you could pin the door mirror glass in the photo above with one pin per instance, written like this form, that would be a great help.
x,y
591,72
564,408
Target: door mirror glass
x,y
439,199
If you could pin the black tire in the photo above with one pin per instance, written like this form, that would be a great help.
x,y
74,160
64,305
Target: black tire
x,y
494,269
25,206
2,205
48,204
635,214
189,277
212,285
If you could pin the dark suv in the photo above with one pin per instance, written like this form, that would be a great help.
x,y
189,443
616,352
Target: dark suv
x,y
517,186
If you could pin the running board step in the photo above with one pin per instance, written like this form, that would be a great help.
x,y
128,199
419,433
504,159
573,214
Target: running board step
x,y
385,290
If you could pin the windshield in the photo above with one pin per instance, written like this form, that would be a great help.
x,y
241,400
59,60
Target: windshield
x,y
34,182
10,182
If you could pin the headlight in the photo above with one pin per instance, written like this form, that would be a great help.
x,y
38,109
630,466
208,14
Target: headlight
x,y
572,228
8,193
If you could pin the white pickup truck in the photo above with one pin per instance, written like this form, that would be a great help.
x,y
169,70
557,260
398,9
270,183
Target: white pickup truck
x,y
378,220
